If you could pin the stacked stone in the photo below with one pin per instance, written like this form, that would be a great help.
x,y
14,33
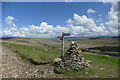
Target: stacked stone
x,y
73,59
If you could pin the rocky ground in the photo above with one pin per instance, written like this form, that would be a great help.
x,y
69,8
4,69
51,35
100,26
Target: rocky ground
x,y
14,67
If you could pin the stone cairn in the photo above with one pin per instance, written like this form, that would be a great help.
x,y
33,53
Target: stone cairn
x,y
73,59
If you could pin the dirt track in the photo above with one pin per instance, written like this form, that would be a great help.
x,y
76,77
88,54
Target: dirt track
x,y
14,67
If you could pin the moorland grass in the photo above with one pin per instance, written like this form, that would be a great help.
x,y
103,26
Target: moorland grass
x,y
37,55
47,55
109,64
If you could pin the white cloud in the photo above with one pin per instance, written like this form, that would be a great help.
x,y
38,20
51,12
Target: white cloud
x,y
99,18
0,31
11,32
68,0
78,26
60,29
44,30
14,25
91,11
9,21
105,1
113,16
84,21
84,26
100,15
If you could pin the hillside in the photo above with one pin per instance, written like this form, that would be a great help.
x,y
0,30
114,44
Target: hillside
x,y
41,52
83,42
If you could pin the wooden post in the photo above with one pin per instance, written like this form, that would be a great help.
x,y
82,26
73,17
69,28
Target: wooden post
x,y
62,38
62,49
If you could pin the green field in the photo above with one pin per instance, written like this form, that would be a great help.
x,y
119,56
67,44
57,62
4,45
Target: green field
x,y
37,55
107,48
110,65
104,50
45,54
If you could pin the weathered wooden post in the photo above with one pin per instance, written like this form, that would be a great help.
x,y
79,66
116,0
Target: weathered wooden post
x,y
62,38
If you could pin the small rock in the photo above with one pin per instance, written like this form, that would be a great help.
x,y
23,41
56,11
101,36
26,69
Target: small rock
x,y
10,73
57,60
43,76
89,61
101,69
96,76
35,74
45,72
111,75
26,72
35,71
54,76
2,69
86,72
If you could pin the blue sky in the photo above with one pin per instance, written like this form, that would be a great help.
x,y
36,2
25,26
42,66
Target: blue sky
x,y
26,14
55,13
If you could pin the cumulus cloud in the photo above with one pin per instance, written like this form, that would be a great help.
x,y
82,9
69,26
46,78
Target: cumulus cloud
x,y
106,1
68,0
84,26
100,15
91,11
0,31
77,27
113,16
113,19
60,29
11,32
42,31
9,21
99,18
